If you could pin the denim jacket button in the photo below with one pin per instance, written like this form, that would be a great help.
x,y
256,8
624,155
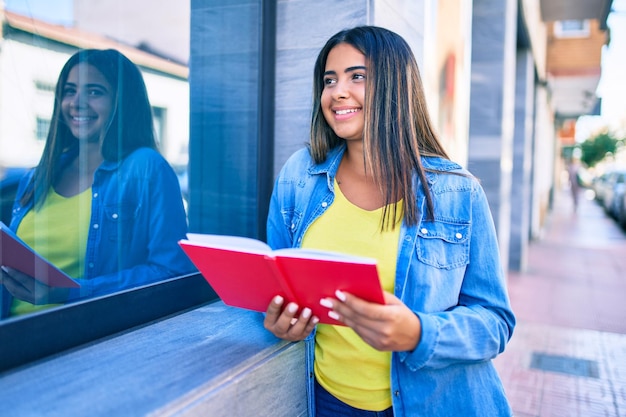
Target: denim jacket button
x,y
458,236
424,230
96,226
115,216
324,204
95,195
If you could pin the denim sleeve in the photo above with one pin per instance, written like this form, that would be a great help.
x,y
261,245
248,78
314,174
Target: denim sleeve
x,y
278,235
480,325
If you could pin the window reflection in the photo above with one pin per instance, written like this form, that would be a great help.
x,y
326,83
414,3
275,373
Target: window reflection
x,y
31,58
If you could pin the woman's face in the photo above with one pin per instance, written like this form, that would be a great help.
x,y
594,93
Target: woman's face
x,y
343,95
87,102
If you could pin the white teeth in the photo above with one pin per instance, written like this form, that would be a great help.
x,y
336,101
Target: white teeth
x,y
346,111
81,119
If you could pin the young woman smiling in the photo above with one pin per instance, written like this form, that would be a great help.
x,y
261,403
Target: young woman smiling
x,y
376,182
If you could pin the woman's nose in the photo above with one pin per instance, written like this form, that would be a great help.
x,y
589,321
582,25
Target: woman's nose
x,y
78,100
340,90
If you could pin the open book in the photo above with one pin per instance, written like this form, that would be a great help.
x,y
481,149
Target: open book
x,y
247,273
16,254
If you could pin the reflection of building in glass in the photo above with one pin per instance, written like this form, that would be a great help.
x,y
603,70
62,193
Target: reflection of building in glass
x,y
159,26
32,55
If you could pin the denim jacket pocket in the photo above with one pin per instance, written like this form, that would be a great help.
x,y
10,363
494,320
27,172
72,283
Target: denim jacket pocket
x,y
291,220
118,222
443,245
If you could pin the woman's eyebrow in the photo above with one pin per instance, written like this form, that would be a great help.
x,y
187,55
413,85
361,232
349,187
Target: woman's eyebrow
x,y
349,69
355,68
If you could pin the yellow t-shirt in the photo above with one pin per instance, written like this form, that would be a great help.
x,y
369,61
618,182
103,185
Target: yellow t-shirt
x,y
345,365
58,232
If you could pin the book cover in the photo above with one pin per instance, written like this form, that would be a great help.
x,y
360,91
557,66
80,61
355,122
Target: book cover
x,y
247,273
16,254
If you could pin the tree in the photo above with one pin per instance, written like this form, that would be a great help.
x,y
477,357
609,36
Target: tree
x,y
597,147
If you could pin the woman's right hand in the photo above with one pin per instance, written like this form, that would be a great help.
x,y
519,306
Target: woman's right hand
x,y
27,288
283,323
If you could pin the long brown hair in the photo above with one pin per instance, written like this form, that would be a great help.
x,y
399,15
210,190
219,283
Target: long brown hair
x,y
130,128
397,131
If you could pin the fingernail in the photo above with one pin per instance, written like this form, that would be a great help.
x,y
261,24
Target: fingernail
x,y
306,313
325,302
315,320
292,308
340,295
278,300
333,315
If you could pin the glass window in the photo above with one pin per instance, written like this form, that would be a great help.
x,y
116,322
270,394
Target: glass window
x,y
43,126
86,192
571,29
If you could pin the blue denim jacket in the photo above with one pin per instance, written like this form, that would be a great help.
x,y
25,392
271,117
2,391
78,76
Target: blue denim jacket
x,y
448,272
137,219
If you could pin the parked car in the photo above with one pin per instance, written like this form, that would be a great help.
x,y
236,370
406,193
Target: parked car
x,y
9,180
620,209
615,188
599,186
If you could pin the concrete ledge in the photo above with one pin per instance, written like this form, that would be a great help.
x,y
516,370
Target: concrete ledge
x,y
214,360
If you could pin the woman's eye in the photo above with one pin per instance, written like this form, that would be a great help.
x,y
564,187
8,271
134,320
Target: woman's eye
x,y
67,92
95,92
329,81
358,76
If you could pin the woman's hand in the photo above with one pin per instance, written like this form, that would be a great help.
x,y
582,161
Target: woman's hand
x,y
283,323
27,288
389,327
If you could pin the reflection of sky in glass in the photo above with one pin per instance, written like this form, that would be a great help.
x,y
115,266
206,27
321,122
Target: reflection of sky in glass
x,y
53,11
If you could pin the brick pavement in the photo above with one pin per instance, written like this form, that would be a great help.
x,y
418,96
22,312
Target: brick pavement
x,y
567,357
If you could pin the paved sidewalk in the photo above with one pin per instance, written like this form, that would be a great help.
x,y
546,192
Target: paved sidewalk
x,y
567,357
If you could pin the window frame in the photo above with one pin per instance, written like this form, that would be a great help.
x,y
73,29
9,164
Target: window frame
x,y
41,334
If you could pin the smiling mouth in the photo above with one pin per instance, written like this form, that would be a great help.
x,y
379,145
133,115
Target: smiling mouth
x,y
346,111
82,118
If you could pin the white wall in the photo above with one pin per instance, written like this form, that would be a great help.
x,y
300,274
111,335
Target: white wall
x,y
21,103
163,24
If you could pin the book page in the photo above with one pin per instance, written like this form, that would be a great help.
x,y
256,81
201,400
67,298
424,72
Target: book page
x,y
239,243
323,254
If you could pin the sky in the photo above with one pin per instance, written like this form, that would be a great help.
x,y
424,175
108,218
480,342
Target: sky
x,y
53,11
612,87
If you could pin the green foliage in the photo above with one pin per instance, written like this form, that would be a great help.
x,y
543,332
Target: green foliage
x,y
597,147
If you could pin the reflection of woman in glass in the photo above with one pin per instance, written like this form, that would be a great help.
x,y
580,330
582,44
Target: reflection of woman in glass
x,y
102,204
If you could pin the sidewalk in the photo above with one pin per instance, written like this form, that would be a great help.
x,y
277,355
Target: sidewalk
x,y
567,357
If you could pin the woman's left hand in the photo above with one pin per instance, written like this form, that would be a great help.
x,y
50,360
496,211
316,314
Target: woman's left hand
x,y
389,327
27,288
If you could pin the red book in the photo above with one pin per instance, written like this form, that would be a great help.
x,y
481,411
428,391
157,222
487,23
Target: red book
x,y
16,254
247,273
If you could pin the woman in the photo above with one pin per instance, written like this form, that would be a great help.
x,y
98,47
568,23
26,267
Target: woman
x,y
377,182
102,204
